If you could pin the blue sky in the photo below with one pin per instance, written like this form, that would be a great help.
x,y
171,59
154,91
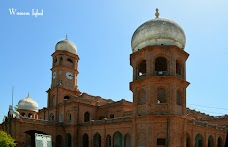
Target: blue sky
x,y
102,32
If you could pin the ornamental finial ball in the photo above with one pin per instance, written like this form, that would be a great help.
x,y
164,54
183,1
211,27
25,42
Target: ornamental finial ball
x,y
157,13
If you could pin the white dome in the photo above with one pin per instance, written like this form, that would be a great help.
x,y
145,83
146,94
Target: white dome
x,y
27,104
66,45
158,31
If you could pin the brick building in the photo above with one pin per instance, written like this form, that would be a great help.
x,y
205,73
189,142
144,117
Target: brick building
x,y
157,117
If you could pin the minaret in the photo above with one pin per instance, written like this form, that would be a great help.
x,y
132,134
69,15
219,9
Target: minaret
x,y
64,73
159,76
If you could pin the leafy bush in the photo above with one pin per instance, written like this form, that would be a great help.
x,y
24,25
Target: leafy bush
x,y
6,140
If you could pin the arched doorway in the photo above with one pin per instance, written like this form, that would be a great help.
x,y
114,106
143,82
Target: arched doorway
x,y
85,140
59,141
97,140
219,144
108,141
199,140
117,139
68,140
127,140
30,137
187,140
210,142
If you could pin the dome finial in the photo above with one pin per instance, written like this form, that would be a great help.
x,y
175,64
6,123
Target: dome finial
x,y
66,37
28,94
157,13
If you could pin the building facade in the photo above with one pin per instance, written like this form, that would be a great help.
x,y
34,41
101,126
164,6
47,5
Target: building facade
x,y
157,117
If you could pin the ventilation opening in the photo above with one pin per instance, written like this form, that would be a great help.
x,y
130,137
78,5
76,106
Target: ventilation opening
x,y
66,97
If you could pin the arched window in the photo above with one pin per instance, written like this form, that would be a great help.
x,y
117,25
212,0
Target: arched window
x,y
30,115
52,117
117,139
111,115
97,140
68,140
60,117
127,140
142,68
55,60
199,140
108,141
161,96
69,117
142,97
69,60
66,97
85,140
178,98
61,60
86,117
219,144
210,141
23,114
161,66
178,68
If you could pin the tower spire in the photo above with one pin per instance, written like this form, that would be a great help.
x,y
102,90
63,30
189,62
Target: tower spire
x,y
157,13
66,37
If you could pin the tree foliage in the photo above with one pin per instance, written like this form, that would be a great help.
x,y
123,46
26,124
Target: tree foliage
x,y
6,140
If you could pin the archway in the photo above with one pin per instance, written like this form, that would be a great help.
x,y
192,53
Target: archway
x,y
142,68
199,140
160,66
59,141
97,140
68,140
219,144
30,140
187,140
210,142
108,141
85,140
117,139
127,141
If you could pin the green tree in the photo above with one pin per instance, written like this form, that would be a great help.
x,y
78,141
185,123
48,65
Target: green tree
x,y
6,140
16,107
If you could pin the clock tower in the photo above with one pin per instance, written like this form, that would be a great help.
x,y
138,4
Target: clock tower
x,y
64,73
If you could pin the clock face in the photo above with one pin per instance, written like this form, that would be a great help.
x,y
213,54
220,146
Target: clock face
x,y
69,75
54,75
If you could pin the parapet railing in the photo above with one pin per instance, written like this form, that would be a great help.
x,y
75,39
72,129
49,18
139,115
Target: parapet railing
x,y
106,121
206,124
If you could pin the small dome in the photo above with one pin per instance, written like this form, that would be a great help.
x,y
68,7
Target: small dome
x,y
66,45
158,31
27,104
